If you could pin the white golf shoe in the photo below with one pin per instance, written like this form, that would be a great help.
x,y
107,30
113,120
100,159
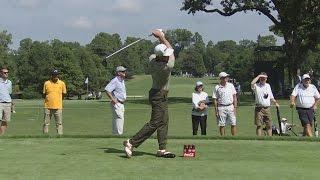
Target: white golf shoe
x,y
127,148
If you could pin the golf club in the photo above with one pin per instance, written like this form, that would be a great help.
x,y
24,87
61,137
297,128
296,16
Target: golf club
x,y
127,46
279,120
292,122
132,44
316,133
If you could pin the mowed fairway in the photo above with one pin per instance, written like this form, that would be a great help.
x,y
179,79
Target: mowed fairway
x,y
103,158
90,152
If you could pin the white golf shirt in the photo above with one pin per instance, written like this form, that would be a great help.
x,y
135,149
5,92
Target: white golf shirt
x,y
305,97
224,94
196,98
117,88
263,94
5,90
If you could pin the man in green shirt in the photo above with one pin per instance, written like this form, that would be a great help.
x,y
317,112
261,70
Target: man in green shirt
x,y
161,65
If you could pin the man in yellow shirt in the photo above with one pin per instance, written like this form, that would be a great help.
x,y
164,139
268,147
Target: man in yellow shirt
x,y
53,92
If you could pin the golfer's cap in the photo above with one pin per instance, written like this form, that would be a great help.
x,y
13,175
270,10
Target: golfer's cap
x,y
163,50
223,74
199,83
284,119
55,72
305,76
120,68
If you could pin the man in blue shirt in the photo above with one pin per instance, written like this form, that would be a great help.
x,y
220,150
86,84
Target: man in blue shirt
x,y
5,99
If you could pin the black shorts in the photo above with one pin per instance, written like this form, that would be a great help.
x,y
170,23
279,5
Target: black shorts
x,y
306,115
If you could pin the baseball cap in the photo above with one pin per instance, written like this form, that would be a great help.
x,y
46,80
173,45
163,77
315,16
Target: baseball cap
x,y
120,68
305,76
284,119
55,72
199,83
163,50
223,74
263,74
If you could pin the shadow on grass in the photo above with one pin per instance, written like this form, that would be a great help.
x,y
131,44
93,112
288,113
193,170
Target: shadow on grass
x,y
118,151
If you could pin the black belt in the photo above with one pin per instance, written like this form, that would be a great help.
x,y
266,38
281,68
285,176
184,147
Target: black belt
x,y
224,104
121,102
264,107
303,108
5,102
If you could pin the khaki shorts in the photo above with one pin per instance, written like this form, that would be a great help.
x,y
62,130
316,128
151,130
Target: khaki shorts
x,y
262,116
5,111
226,116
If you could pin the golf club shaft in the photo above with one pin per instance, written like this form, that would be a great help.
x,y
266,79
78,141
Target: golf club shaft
x,y
316,133
123,48
127,46
279,121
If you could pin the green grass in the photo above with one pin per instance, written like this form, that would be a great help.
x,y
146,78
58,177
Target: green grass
x,y
94,117
88,150
103,158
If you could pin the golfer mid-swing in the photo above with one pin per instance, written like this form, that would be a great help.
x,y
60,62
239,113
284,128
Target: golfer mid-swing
x,y
161,64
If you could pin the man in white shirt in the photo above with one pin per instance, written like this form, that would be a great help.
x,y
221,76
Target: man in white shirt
x,y
5,99
116,91
263,96
305,97
225,104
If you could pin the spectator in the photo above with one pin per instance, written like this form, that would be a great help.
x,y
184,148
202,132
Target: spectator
x,y
53,91
116,91
225,103
5,99
305,97
200,109
263,96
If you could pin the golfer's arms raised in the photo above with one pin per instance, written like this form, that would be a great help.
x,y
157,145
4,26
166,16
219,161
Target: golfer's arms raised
x,y
162,39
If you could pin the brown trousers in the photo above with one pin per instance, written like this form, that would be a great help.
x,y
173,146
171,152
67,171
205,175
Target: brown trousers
x,y
158,121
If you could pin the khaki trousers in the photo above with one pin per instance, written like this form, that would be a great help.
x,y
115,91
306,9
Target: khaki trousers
x,y
57,113
117,118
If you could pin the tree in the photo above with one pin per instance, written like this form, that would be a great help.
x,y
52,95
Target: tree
x,y
297,21
179,39
104,44
6,55
135,58
34,64
92,69
67,63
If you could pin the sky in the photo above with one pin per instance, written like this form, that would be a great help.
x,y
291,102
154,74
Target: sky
x,y
81,20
